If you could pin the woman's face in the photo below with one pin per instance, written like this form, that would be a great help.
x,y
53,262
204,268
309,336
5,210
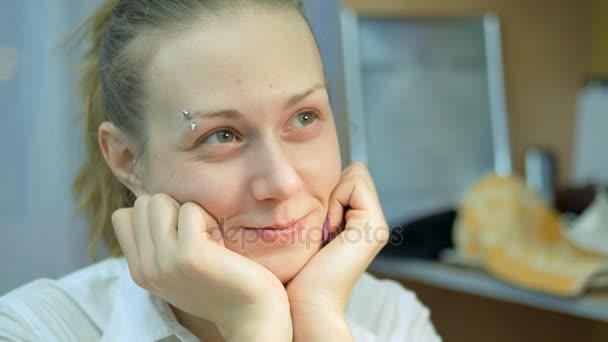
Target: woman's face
x,y
259,147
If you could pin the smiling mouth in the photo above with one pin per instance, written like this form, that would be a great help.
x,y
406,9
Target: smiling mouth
x,y
278,234
278,227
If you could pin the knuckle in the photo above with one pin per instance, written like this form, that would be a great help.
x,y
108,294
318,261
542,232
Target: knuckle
x,y
358,171
192,208
162,205
357,179
118,215
141,200
189,207
158,200
359,166
362,176
359,163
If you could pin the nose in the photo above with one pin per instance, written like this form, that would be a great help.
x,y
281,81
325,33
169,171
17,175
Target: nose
x,y
274,174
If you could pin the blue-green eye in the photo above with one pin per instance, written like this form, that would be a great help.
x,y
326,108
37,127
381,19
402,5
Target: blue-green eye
x,y
223,136
304,119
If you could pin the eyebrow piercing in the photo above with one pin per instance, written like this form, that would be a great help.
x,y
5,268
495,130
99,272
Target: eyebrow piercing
x,y
186,115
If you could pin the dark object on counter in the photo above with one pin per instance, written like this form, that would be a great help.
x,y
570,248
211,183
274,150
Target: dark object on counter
x,y
541,173
423,238
575,200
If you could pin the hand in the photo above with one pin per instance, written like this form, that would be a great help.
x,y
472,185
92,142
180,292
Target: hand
x,y
323,287
177,253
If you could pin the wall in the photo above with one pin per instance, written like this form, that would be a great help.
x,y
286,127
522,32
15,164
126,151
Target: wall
x,y
40,142
600,38
547,55
322,15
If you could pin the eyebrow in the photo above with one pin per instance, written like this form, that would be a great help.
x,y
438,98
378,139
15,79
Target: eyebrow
x,y
235,114
294,100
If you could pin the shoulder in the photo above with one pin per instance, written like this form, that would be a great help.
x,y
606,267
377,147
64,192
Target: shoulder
x,y
49,309
389,311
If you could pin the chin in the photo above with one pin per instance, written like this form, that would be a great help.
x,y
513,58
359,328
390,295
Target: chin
x,y
286,263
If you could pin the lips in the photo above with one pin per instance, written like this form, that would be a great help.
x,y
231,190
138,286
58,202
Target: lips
x,y
276,234
277,226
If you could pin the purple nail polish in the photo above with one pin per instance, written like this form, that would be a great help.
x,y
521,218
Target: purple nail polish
x,y
325,231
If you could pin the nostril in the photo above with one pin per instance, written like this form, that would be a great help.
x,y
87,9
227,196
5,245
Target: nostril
x,y
278,185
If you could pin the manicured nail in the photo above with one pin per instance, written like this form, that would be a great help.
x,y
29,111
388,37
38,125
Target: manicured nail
x,y
325,230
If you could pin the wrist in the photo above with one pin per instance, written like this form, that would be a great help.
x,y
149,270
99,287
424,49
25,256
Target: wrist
x,y
320,326
271,323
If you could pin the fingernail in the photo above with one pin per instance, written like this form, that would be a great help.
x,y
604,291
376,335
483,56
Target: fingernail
x,y
326,230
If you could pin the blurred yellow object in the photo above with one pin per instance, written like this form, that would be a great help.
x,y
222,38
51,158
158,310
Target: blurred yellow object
x,y
509,229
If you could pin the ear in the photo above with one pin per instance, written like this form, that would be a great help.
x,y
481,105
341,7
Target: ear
x,y
120,154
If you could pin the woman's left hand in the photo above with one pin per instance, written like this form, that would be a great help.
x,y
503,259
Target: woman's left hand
x,y
319,293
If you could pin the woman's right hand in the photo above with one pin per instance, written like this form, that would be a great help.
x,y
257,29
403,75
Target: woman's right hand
x,y
177,253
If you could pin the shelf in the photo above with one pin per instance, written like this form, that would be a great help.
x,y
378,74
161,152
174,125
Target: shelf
x,y
592,306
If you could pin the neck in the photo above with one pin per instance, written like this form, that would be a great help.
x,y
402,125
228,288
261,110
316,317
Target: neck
x,y
205,330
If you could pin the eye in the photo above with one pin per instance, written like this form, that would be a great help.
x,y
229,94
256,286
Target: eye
x,y
223,136
304,119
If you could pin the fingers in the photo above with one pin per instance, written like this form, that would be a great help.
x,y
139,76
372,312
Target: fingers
x,y
355,190
355,201
162,219
194,229
145,245
335,214
122,221
152,232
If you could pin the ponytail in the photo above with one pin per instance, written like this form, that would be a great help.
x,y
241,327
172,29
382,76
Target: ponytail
x,y
97,191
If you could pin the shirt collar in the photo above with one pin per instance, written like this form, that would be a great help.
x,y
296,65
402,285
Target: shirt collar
x,y
138,315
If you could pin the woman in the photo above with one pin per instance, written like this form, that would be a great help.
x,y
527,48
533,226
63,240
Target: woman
x,y
214,168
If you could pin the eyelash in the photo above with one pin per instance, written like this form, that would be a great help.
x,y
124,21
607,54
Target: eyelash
x,y
237,135
202,140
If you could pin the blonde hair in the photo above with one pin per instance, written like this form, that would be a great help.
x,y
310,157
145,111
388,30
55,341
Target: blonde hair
x,y
112,88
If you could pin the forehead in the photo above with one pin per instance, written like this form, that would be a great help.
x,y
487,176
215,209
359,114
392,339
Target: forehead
x,y
238,55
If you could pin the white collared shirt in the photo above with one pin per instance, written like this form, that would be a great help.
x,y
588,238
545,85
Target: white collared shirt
x,y
102,303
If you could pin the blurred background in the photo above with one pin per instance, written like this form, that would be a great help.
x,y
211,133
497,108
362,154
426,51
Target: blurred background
x,y
483,123
41,140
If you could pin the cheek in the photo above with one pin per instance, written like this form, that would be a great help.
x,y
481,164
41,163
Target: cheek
x,y
322,165
213,187
330,176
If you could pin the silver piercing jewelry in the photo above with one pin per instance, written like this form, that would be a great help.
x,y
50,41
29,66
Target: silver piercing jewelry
x,y
192,125
186,114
